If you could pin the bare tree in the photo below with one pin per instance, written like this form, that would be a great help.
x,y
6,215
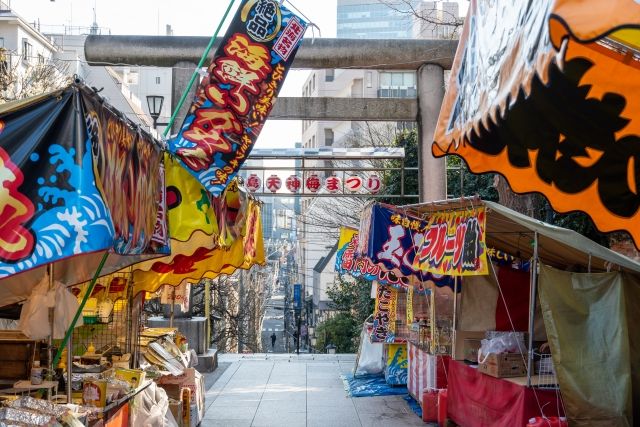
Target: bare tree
x,y
431,19
19,78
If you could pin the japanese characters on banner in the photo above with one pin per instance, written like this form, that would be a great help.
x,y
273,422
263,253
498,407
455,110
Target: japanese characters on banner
x,y
395,240
313,183
234,100
347,262
384,314
294,183
274,183
253,183
454,244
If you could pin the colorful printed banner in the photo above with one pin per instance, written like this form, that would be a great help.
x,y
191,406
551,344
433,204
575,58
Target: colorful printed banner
x,y
384,314
61,156
397,369
201,257
189,206
392,241
454,244
235,99
347,262
129,166
556,110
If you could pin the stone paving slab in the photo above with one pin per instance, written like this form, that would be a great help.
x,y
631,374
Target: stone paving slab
x,y
263,390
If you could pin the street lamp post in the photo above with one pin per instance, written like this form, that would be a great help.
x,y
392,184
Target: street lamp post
x,y
154,102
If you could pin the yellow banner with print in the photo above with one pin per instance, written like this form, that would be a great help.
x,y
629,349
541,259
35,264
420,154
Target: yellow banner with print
x,y
189,206
207,260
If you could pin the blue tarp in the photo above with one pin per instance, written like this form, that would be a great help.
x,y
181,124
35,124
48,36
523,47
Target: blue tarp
x,y
370,385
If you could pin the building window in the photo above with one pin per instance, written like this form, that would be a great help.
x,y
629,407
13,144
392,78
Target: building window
x,y
313,82
369,78
157,80
328,137
329,75
2,42
40,59
27,50
313,141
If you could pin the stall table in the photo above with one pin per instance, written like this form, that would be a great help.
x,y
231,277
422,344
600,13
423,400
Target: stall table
x,y
479,400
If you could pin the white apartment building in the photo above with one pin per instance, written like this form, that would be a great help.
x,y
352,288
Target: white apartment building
x,y
23,46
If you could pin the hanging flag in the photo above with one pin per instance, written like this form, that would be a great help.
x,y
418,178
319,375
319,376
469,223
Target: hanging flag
x,y
189,205
454,244
547,94
194,260
234,100
347,262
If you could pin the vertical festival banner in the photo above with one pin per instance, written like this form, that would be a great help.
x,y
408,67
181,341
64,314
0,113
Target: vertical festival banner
x,y
234,100
384,314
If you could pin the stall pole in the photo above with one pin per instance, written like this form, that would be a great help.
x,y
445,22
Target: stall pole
x,y
532,306
69,369
51,320
173,305
455,311
432,315
82,304
207,309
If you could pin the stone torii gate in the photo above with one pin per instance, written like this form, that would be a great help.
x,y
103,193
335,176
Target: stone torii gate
x,y
428,57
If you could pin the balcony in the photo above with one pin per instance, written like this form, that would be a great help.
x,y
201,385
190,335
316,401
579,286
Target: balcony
x,y
5,6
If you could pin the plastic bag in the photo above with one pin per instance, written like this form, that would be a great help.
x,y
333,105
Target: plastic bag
x,y
66,307
370,361
507,342
34,317
151,409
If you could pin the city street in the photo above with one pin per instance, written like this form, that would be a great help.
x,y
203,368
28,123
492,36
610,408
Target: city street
x,y
288,390
274,323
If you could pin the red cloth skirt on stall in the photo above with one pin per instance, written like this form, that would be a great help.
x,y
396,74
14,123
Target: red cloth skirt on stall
x,y
479,400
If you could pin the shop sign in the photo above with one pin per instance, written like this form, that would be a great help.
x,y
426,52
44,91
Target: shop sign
x,y
384,314
293,183
274,183
373,184
333,184
253,183
235,98
313,183
353,183
454,244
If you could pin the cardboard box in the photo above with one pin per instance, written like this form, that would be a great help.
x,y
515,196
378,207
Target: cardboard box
x,y
460,336
503,365
191,379
134,377
470,349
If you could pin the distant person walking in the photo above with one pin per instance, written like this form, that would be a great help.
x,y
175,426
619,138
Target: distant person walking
x,y
273,340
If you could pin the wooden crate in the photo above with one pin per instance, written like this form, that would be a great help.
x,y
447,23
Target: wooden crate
x,y
15,359
503,365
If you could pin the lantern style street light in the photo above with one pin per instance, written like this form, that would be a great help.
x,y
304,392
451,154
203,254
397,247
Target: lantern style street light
x,y
154,102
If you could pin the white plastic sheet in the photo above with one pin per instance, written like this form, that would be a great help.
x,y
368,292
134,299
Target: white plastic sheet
x,y
371,360
151,409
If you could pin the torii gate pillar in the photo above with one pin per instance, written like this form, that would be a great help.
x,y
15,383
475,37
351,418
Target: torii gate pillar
x,y
432,179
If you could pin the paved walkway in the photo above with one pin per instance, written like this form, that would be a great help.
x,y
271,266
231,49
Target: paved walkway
x,y
290,391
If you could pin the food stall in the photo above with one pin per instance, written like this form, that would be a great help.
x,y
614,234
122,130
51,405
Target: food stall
x,y
527,263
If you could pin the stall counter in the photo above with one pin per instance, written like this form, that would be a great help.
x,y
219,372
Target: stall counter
x,y
479,400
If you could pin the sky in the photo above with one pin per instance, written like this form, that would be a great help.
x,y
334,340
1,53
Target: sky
x,y
187,18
